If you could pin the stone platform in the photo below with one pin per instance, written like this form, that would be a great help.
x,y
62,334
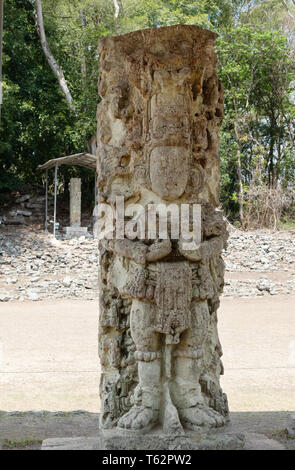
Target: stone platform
x,y
72,232
118,439
69,443
246,441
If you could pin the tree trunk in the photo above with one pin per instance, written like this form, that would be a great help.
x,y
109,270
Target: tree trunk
x,y
1,35
49,56
291,15
83,63
239,173
117,9
271,152
116,14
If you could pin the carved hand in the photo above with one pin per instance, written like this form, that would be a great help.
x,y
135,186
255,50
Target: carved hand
x,y
134,250
206,250
193,255
158,250
140,253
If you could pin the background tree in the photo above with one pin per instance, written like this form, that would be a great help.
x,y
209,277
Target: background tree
x,y
256,69
256,49
57,70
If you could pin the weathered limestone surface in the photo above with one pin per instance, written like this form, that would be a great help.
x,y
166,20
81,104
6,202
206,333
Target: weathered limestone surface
x,y
112,439
291,425
69,443
75,202
158,137
115,439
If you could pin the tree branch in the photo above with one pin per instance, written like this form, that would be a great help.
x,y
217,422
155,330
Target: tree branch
x,y
49,56
288,10
117,9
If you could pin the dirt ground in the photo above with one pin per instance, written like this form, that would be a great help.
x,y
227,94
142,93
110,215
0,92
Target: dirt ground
x,y
27,430
48,361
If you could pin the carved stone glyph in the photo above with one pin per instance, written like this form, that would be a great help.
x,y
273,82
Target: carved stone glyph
x,y
158,137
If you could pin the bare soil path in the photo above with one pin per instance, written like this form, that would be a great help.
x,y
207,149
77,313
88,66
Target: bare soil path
x,y
48,361
48,354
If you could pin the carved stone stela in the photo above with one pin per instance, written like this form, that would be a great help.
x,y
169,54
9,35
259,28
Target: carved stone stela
x,y
158,136
75,202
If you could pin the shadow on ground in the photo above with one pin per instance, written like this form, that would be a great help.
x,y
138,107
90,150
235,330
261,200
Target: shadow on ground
x,y
27,430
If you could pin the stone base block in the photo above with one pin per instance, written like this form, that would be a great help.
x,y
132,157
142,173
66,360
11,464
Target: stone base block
x,y
69,443
118,439
111,440
73,232
256,441
291,425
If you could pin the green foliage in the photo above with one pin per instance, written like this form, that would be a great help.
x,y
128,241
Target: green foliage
x,y
34,114
256,68
36,122
256,65
9,444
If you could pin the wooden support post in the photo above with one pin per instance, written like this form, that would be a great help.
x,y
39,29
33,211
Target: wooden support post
x,y
46,203
55,195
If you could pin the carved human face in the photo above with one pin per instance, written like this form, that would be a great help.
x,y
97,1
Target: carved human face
x,y
169,171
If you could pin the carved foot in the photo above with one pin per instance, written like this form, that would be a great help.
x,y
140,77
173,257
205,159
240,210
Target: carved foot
x,y
200,415
139,418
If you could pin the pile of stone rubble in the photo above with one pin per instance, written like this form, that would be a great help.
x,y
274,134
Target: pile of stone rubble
x,y
35,266
260,262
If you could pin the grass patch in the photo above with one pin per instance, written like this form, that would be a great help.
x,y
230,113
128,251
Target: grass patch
x,y
10,444
282,434
286,223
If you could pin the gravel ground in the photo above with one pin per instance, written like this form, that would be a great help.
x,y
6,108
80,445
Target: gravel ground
x,y
35,266
48,349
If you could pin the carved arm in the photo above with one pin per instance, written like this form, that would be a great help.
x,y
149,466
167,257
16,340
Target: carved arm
x,y
206,250
141,253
